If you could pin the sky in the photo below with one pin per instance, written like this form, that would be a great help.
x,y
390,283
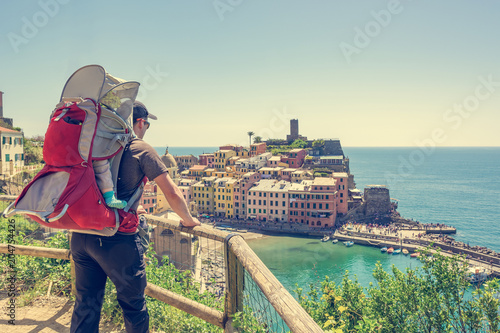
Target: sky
x,y
371,73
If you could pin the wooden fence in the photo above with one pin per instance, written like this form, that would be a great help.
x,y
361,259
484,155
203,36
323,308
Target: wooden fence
x,y
240,263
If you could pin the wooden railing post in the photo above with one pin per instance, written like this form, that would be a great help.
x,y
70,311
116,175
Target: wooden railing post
x,y
234,285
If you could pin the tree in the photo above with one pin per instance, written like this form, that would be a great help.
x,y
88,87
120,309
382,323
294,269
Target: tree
x,y
257,139
432,298
318,143
250,134
33,150
298,144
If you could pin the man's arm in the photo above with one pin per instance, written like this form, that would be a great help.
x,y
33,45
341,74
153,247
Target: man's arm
x,y
176,200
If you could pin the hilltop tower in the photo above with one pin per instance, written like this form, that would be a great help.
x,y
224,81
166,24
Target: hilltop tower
x,y
294,131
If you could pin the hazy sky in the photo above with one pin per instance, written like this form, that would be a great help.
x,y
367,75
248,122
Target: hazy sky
x,y
372,73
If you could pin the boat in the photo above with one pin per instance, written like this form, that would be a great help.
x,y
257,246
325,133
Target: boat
x,y
335,241
390,250
477,274
397,251
405,252
325,238
415,254
349,243
384,249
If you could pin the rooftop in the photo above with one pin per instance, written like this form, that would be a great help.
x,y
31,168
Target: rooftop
x,y
3,129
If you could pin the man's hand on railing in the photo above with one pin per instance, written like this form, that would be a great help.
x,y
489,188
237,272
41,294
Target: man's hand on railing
x,y
193,222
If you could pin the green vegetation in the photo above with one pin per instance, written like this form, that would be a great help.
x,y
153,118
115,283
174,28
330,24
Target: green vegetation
x,y
277,147
33,150
432,298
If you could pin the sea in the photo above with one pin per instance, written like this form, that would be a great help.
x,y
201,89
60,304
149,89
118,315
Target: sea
x,y
456,186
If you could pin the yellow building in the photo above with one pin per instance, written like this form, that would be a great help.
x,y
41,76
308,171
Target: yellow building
x,y
197,172
222,157
224,197
203,195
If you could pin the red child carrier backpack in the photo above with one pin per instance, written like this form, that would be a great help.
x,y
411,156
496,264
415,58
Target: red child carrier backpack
x,y
93,121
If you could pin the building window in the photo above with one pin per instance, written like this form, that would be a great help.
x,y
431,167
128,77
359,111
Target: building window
x,y
320,206
314,206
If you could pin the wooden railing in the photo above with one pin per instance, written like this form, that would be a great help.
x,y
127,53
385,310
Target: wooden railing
x,y
238,258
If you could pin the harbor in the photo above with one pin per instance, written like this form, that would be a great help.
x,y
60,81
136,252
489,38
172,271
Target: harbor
x,y
416,239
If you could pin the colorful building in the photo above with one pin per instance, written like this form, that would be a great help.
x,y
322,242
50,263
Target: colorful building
x,y
184,162
341,183
221,158
295,158
313,202
241,189
224,197
207,159
197,172
268,200
203,194
299,175
258,148
270,173
11,151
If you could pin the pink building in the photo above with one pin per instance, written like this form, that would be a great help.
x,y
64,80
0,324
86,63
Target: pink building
x,y
149,197
295,158
257,149
185,185
341,183
241,189
313,202
207,159
268,200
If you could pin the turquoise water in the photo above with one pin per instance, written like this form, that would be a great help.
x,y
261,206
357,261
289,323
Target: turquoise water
x,y
456,186
308,260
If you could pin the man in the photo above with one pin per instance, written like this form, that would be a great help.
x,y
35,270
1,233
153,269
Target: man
x,y
120,257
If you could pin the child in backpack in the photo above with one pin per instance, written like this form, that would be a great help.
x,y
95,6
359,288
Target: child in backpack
x,y
105,184
101,167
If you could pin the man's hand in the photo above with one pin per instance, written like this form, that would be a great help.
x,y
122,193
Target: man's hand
x,y
191,223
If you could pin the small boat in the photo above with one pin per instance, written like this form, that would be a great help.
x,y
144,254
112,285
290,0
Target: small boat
x,y
390,250
397,251
384,249
325,238
335,241
405,252
349,243
415,254
477,275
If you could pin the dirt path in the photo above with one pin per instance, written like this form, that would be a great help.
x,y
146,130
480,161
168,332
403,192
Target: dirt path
x,y
46,314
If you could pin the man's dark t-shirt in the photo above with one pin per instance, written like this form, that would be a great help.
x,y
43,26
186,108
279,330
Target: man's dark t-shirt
x,y
139,159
